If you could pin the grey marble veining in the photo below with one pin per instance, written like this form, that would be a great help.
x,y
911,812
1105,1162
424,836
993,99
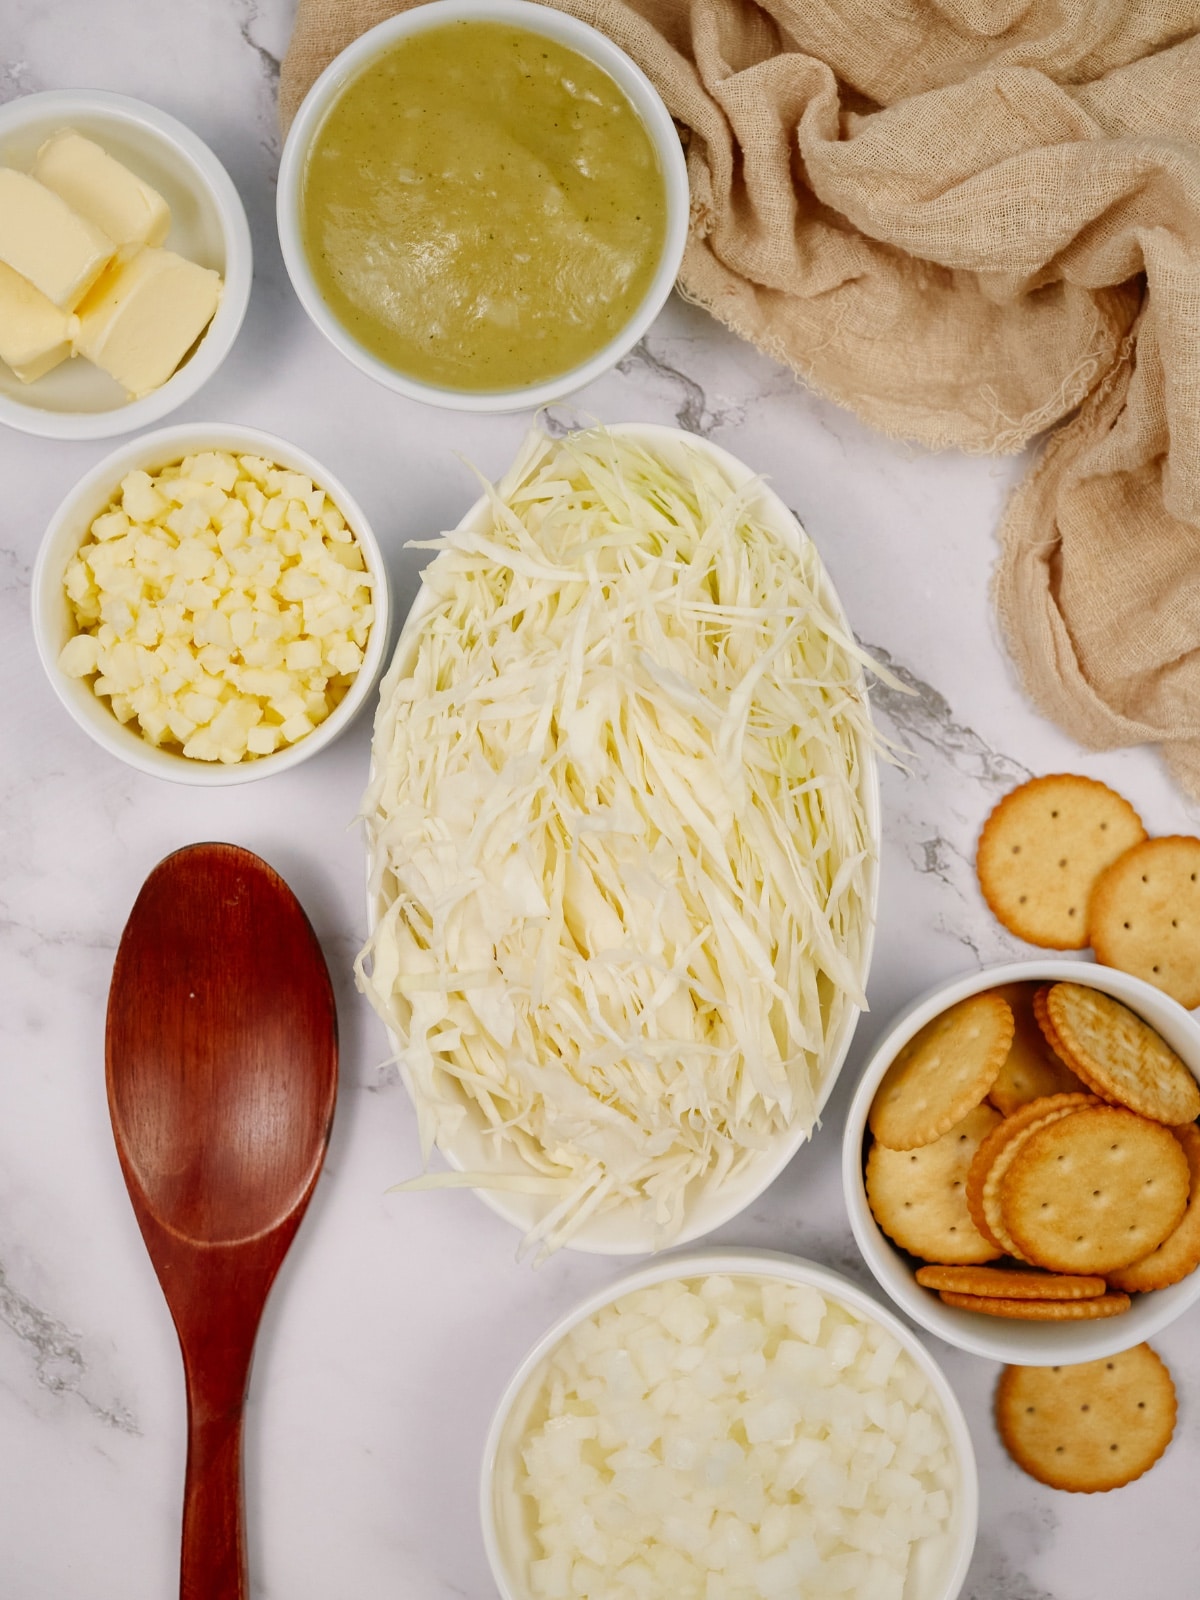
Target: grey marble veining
x,y
57,1356
398,1318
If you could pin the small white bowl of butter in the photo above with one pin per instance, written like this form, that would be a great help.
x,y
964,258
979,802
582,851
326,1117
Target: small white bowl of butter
x,y
73,300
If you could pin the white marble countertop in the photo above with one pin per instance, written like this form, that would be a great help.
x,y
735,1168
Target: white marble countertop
x,y
398,1318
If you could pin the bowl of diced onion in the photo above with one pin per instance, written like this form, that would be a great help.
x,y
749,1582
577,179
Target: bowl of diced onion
x,y
733,1425
623,829
211,605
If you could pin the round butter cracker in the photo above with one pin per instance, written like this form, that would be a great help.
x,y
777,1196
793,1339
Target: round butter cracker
x,y
943,1072
1041,851
1006,1283
1120,1057
918,1197
1028,1310
1095,1190
1090,1427
1144,916
1032,1069
1179,1254
995,1156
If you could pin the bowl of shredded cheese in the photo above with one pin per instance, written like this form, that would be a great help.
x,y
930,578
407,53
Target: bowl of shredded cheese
x,y
211,605
623,827
729,1425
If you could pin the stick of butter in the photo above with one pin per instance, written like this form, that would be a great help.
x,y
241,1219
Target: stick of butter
x,y
61,254
144,315
99,188
35,335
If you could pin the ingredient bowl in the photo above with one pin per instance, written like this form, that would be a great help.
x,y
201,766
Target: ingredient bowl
x,y
208,226
54,622
367,284
1021,1343
719,1368
669,1067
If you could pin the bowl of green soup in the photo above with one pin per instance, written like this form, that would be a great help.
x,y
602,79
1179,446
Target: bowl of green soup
x,y
483,204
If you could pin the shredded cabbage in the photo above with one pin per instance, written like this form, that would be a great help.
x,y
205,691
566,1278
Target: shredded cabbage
x,y
618,832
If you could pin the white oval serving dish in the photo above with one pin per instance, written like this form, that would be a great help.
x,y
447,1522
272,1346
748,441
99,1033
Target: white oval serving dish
x,y
617,1232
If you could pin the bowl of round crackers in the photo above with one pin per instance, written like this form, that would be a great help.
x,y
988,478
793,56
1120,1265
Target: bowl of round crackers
x,y
1022,1163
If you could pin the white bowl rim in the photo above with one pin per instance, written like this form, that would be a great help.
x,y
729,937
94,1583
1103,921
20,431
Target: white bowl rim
x,y
508,1205
222,331
167,445
997,1338
568,30
736,1261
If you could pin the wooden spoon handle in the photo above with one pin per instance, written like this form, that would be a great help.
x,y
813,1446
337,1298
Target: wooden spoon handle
x,y
213,1557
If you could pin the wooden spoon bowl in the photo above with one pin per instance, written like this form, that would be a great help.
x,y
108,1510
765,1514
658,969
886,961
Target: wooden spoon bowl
x,y
221,1064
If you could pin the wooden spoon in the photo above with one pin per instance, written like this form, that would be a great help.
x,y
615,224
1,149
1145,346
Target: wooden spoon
x,y
221,1062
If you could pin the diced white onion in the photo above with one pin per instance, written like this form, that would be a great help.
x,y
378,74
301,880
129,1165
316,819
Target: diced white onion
x,y
676,1488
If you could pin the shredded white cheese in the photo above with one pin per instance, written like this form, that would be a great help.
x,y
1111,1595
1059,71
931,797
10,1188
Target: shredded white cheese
x,y
618,831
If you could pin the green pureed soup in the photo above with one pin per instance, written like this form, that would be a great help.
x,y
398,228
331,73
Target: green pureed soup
x,y
483,208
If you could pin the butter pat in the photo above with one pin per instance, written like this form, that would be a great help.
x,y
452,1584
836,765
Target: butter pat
x,y
35,335
141,319
99,188
61,253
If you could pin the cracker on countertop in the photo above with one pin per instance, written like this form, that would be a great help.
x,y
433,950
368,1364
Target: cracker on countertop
x,y
1095,1190
1144,916
1120,1057
1042,849
943,1072
918,1196
1090,1427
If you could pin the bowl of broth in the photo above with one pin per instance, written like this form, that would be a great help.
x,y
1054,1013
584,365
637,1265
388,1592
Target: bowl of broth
x,y
482,204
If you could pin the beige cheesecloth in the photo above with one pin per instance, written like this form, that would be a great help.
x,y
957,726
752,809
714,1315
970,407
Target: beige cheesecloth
x,y
966,220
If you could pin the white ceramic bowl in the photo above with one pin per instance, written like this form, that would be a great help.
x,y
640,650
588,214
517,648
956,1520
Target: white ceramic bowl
x,y
208,225
566,30
617,1232
53,624
1027,1344
939,1566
